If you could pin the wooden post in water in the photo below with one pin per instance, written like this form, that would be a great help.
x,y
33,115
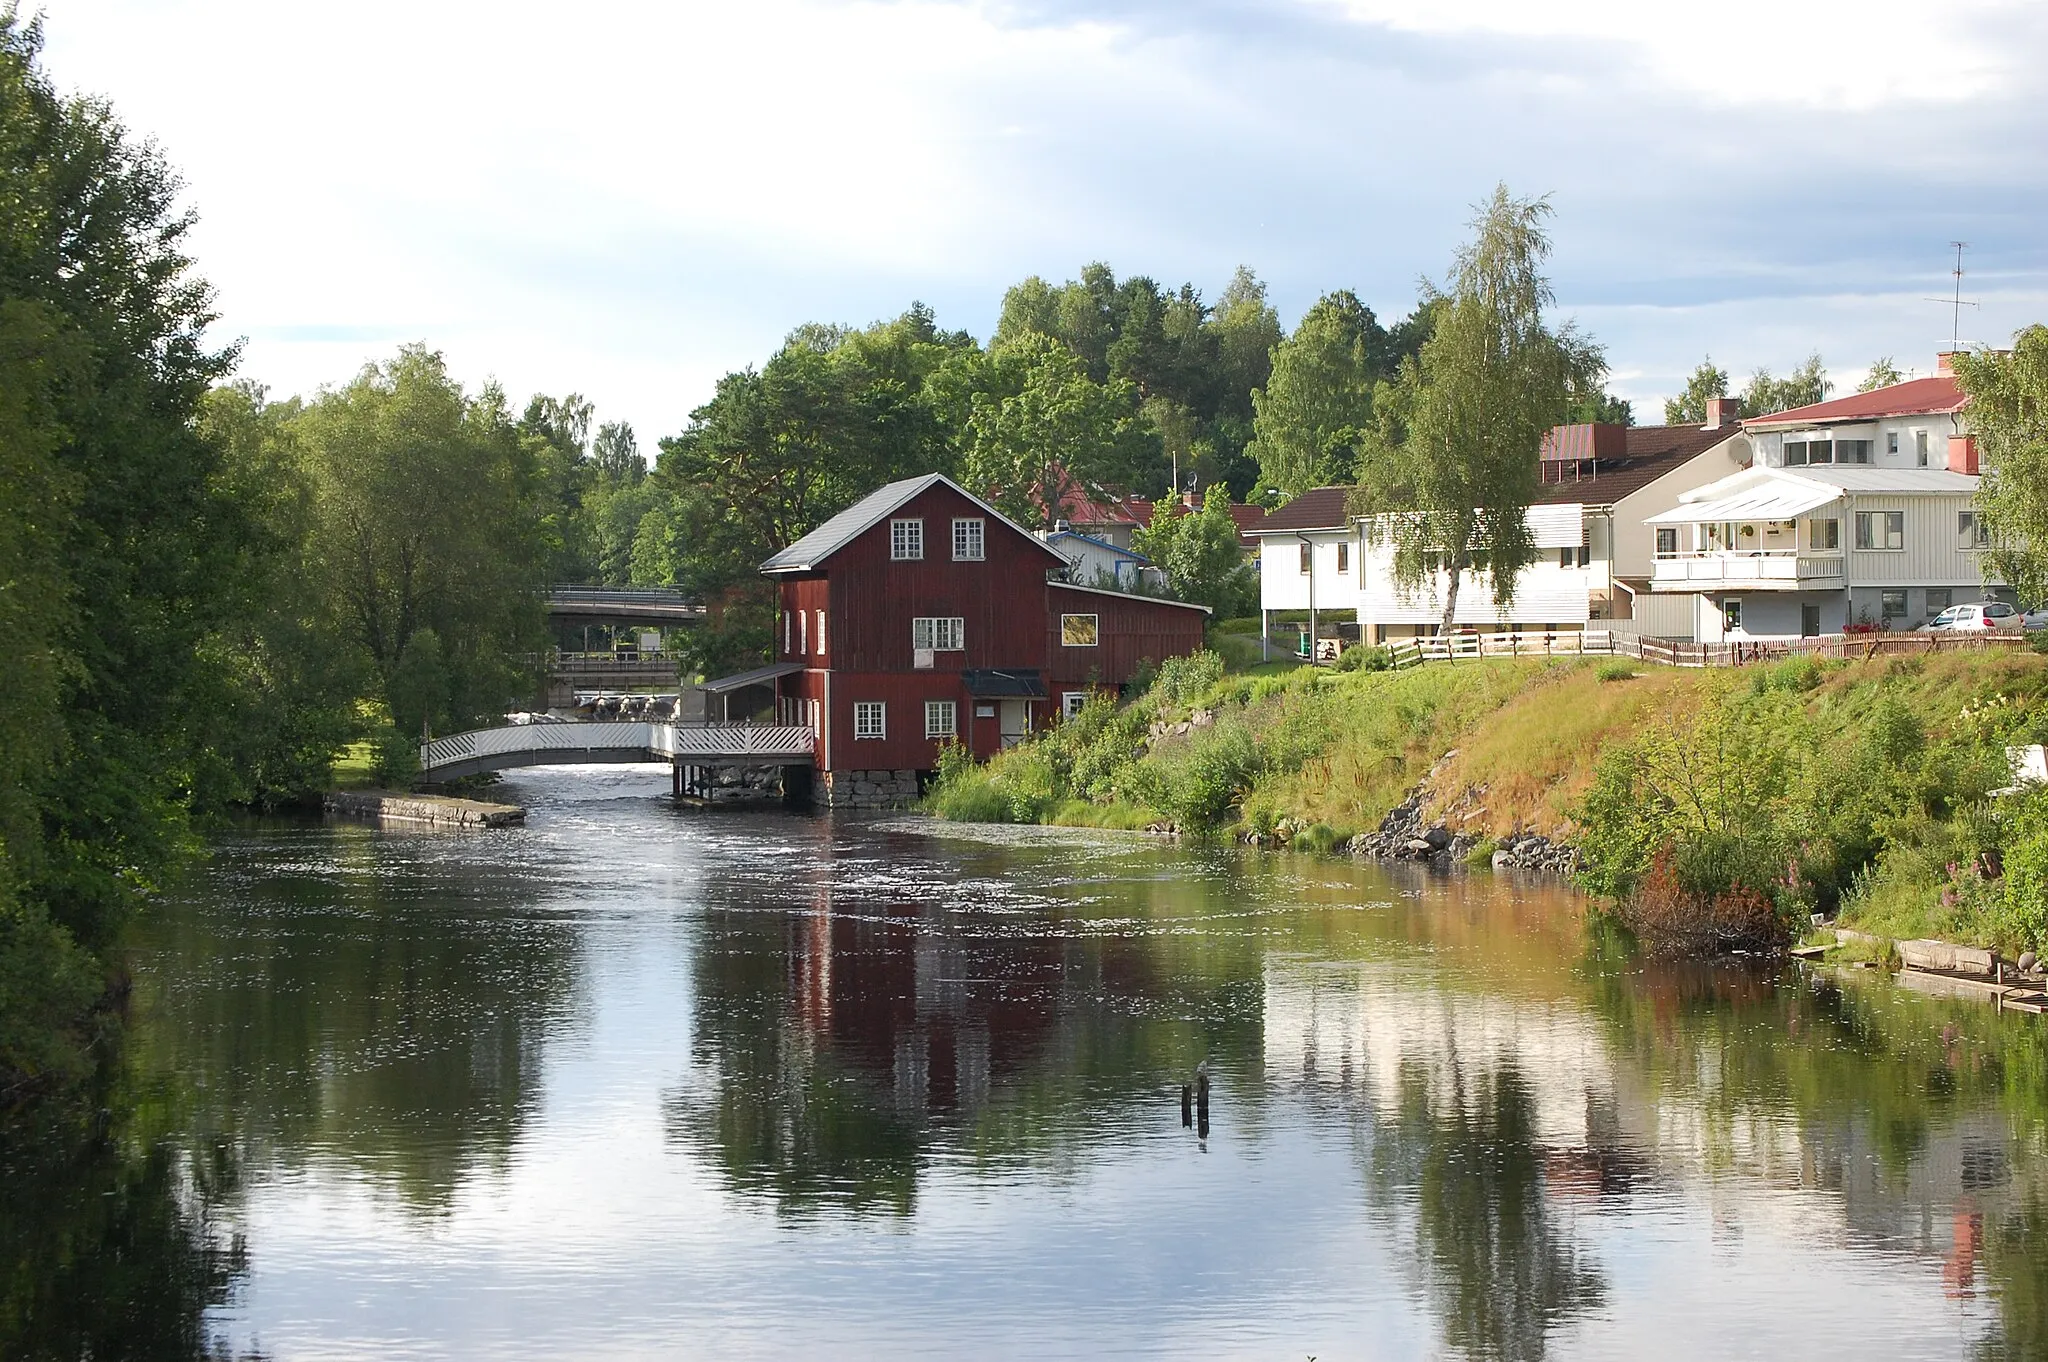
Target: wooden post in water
x,y
1187,1104
1202,1100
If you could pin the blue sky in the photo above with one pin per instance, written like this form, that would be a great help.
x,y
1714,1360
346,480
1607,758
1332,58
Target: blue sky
x,y
629,199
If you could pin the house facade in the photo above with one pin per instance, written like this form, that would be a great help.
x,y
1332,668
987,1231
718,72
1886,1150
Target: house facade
x,y
1097,562
1858,513
921,616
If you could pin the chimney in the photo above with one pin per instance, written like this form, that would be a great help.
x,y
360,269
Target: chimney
x,y
1962,454
1723,411
1945,362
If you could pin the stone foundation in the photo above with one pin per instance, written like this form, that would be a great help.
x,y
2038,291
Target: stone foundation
x,y
865,789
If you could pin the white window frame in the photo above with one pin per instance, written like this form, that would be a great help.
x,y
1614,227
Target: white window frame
x,y
1867,531
906,540
1308,558
938,633
970,539
1343,557
803,631
1072,702
1971,530
1667,533
786,627
1094,631
1891,443
821,633
870,719
1920,449
941,719
1731,613
1896,593
1815,536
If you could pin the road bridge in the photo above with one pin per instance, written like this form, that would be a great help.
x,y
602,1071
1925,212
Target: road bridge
x,y
577,744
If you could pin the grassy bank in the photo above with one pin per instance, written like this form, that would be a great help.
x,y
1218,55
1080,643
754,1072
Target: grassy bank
x,y
1715,808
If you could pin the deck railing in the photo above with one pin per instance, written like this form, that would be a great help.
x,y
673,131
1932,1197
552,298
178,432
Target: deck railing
x,y
1680,653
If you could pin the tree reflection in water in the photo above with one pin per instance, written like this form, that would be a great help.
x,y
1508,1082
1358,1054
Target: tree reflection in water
x,y
1459,1152
107,1241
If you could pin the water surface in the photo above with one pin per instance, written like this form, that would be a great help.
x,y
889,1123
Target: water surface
x,y
638,1081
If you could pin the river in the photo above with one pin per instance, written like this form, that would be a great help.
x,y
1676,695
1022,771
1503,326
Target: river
x,y
638,1081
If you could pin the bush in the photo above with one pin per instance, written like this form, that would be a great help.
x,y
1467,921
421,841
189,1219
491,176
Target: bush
x,y
1359,658
1319,838
1669,916
1198,782
1183,680
2026,870
1616,670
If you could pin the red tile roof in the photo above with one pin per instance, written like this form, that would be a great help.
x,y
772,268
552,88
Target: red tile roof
x,y
1937,396
1653,451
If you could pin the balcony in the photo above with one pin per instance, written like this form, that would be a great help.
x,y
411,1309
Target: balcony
x,y
1760,570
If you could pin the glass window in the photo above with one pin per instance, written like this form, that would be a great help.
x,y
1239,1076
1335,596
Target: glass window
x,y
1891,443
1971,530
870,719
967,537
1667,542
1820,451
1939,598
1072,702
940,633
821,632
1920,448
906,539
1824,534
1308,558
1343,555
803,632
1795,453
941,719
1731,612
1852,451
1891,605
1079,631
1880,529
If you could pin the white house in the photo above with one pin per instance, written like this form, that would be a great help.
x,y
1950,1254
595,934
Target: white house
x,y
1599,483
1097,562
1858,512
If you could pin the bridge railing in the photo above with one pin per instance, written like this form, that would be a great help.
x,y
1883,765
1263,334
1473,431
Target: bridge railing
x,y
660,741
732,740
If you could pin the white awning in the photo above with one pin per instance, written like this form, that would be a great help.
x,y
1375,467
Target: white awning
x,y
1766,501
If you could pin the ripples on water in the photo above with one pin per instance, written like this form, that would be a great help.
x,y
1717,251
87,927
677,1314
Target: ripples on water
x,y
638,1081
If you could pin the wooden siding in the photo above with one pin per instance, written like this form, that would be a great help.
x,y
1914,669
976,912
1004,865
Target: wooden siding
x,y
809,595
1934,554
1132,629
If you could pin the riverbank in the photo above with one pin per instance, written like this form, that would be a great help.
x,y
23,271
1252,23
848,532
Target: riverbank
x,y
1725,805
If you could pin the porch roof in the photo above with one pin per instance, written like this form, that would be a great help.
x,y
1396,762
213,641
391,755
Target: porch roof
x,y
1775,500
759,676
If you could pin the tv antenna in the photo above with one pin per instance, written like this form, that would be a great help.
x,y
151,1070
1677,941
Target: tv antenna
x,y
1958,302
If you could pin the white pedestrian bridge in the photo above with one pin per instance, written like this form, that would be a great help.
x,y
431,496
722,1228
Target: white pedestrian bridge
x,y
577,744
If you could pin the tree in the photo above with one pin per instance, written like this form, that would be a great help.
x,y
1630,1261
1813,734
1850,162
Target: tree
x,y
2008,415
1689,408
1453,495
1308,420
616,453
1037,420
1802,387
430,515
1883,374
1200,553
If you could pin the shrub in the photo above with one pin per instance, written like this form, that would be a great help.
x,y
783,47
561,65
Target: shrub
x,y
1359,658
1616,670
2026,870
1183,680
1669,916
1198,782
1320,838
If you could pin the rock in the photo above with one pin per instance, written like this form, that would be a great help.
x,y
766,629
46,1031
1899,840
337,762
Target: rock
x,y
2027,961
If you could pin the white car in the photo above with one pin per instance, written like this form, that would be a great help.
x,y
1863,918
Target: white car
x,y
1983,617
2037,618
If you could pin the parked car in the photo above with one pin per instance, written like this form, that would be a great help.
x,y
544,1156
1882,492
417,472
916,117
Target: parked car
x,y
2037,618
1983,617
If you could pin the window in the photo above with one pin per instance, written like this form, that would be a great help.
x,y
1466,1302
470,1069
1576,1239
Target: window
x,y
803,632
1731,612
1824,534
1920,448
1308,558
1079,631
821,633
1667,542
1852,451
1795,453
906,539
1971,531
967,541
1939,598
1344,555
941,719
870,719
1891,605
1881,530
785,633
1072,703
938,633
1891,443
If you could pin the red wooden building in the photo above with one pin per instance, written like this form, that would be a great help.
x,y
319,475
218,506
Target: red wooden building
x,y
922,615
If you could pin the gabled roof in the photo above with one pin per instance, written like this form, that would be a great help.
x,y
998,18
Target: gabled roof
x,y
1128,596
1782,493
842,529
1940,395
1104,545
1319,508
1652,451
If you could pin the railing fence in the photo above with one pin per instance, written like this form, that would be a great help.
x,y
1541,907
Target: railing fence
x,y
1679,653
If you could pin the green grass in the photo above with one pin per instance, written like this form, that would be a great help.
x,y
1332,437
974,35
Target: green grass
x,y
354,768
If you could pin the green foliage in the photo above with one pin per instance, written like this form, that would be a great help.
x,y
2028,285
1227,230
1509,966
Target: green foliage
x,y
1037,420
1200,554
2009,417
1199,781
2024,899
1802,387
1689,408
1882,374
1310,416
1361,658
1449,485
1184,680
1616,670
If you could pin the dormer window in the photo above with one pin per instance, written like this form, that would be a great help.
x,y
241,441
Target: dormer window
x,y
906,540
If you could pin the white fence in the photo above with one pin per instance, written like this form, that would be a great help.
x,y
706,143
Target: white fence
x,y
1675,653
485,749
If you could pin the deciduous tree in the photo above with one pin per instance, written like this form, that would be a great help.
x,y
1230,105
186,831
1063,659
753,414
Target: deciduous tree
x,y
2008,414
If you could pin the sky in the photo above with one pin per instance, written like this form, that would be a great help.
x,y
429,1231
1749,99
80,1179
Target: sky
x,y
628,200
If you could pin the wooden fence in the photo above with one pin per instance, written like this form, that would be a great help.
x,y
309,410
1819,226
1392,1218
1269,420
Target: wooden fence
x,y
1676,653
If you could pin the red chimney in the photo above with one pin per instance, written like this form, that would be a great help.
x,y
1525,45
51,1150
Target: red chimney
x,y
1962,454
1945,362
1723,411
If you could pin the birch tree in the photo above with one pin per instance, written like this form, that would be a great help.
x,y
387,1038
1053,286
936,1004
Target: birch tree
x,y
1452,496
